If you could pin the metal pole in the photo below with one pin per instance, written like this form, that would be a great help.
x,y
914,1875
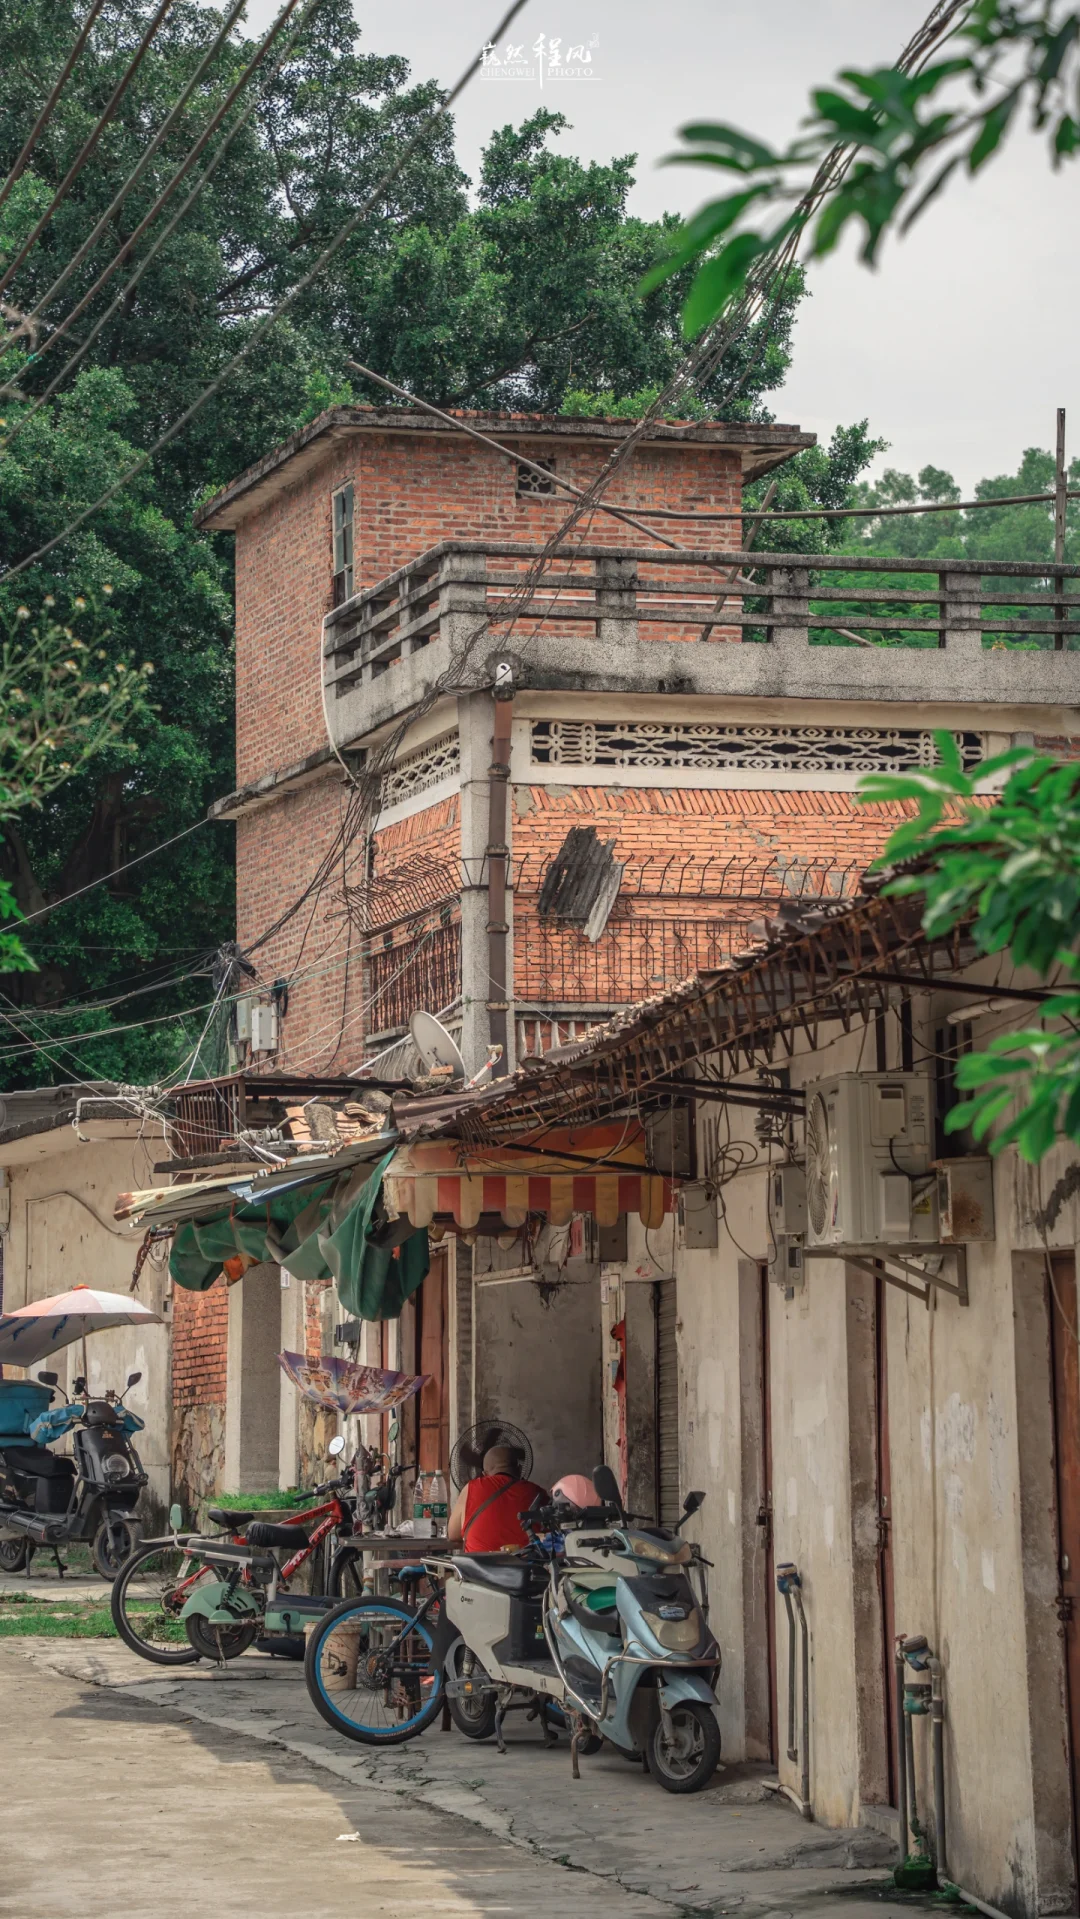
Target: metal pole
x,y
1060,504
901,1750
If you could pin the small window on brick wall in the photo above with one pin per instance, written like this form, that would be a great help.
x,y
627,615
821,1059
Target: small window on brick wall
x,y
343,544
530,485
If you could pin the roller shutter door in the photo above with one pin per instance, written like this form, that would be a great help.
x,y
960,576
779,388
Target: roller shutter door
x,y
667,1406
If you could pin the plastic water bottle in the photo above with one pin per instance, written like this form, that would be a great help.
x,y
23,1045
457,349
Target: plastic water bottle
x,y
439,1502
422,1508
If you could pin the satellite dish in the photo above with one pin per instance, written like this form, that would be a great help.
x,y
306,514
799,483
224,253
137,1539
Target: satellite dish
x,y
435,1046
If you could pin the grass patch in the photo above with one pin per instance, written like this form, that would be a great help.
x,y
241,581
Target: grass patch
x,y
262,1502
24,1616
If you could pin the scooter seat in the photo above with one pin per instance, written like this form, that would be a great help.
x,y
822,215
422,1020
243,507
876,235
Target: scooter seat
x,y
502,1573
39,1462
227,1517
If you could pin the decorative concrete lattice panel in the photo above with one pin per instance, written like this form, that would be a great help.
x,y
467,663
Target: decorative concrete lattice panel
x,y
779,749
428,766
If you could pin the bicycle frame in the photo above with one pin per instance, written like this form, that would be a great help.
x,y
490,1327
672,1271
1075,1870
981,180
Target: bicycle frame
x,y
332,1512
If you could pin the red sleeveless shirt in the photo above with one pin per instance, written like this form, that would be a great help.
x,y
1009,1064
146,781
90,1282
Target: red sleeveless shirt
x,y
499,1524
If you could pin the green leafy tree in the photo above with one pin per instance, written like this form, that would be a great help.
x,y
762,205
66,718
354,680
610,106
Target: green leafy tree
x,y
890,139
1013,869
64,700
509,297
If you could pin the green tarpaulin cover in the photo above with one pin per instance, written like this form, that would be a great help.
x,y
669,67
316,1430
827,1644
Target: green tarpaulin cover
x,y
321,1231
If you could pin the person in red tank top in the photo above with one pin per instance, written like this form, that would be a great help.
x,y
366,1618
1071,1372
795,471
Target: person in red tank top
x,y
487,1512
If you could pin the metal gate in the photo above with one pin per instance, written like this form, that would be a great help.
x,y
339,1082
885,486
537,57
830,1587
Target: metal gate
x,y
669,1500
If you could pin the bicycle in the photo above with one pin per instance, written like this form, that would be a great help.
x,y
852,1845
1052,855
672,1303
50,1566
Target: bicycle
x,y
157,1581
371,1666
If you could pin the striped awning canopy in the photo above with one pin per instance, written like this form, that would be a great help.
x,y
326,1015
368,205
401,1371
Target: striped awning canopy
x,y
581,1169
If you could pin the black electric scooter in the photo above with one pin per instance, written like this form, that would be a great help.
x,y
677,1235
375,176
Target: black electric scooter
x,y
49,1499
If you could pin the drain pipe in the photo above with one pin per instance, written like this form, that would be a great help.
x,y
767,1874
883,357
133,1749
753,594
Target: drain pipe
x,y
805,1633
789,1582
783,1574
937,1722
901,1748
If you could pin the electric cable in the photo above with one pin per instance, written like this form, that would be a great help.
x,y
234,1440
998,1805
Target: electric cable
x,y
88,145
46,113
129,245
344,232
43,912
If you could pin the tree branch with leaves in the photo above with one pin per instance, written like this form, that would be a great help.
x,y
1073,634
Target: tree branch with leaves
x,y
1011,865
904,135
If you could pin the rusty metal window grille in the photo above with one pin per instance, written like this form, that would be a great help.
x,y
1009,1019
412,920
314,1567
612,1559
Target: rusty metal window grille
x,y
535,485
206,1114
343,506
422,971
774,749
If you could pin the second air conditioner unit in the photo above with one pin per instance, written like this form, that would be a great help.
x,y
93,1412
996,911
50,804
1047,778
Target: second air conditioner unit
x,y
869,1139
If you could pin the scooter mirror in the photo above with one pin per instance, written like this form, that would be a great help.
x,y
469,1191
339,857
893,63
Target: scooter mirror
x,y
132,1380
176,1518
49,1379
606,1486
691,1504
392,1432
336,1446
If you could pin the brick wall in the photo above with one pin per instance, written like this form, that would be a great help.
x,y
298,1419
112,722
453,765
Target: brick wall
x,y
200,1345
409,495
200,1358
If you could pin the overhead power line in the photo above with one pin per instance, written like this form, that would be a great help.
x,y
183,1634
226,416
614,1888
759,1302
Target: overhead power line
x,y
44,911
89,144
71,266
46,113
129,286
859,512
349,227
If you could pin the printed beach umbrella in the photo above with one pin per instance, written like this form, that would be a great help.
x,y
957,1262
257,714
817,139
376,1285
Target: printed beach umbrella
x,y
342,1387
47,1325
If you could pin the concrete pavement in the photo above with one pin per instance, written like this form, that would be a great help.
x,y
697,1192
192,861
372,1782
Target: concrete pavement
x,y
168,1787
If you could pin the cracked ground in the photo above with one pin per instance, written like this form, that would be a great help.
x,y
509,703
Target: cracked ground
x,y
135,1789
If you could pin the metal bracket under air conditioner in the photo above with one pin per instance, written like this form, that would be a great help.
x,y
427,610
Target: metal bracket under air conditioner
x,y
876,1261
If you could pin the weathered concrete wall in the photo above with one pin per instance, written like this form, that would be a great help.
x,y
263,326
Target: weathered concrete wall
x,y
253,1395
61,1233
972,1501
538,1365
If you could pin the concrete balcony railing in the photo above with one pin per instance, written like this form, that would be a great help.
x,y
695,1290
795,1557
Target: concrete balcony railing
x,y
647,620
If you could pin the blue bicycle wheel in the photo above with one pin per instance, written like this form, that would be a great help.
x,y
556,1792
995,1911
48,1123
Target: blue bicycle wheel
x,y
370,1673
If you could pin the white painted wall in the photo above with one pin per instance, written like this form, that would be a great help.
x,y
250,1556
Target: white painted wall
x,y
61,1231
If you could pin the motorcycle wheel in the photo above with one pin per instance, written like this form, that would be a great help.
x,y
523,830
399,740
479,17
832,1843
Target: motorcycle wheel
x,y
475,1717
219,1642
15,1554
113,1543
686,1762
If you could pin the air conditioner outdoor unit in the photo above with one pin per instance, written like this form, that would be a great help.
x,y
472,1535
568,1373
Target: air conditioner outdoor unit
x,y
868,1146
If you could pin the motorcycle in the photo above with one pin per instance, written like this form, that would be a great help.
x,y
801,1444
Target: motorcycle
x,y
49,1499
598,1624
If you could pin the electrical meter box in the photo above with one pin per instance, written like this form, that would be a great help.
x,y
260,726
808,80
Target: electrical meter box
x,y
965,1200
264,1029
698,1223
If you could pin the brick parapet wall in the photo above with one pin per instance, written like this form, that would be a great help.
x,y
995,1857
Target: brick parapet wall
x,y
408,497
200,1345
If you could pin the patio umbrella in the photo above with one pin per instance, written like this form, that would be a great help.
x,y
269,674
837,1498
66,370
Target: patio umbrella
x,y
37,1331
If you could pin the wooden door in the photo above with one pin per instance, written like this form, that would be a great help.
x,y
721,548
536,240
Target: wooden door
x,y
1065,1352
433,1453
765,1517
885,1533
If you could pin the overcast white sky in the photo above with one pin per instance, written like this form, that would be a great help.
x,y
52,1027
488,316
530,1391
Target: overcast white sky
x,y
958,348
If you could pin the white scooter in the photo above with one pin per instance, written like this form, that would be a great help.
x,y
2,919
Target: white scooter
x,y
597,1622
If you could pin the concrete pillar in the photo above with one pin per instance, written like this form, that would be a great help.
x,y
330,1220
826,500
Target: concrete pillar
x,y
252,1395
291,1341
476,716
